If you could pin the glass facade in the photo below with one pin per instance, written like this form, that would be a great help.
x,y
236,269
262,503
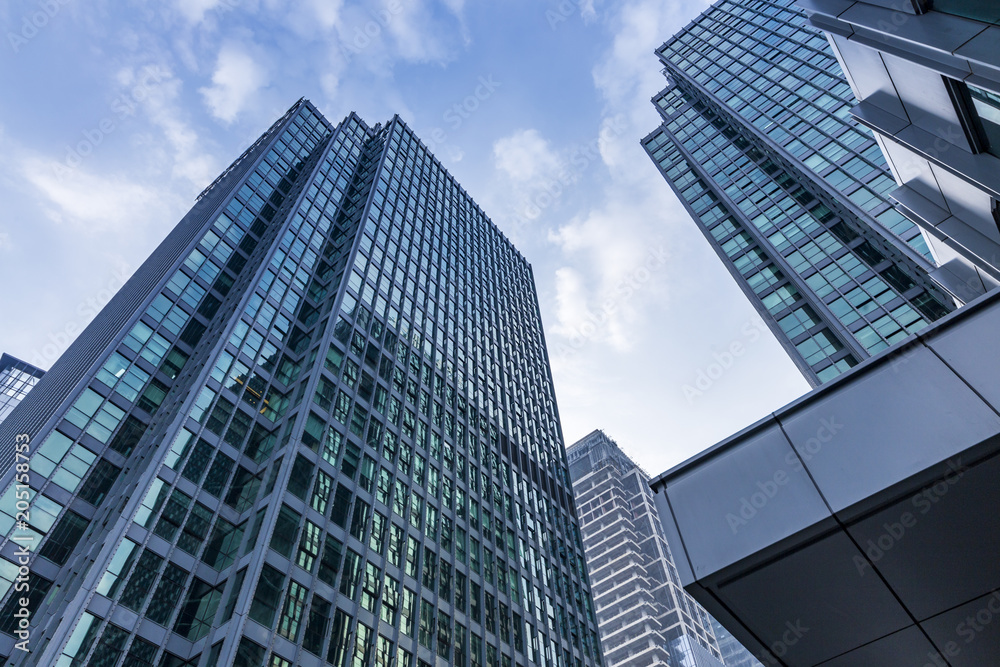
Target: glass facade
x,y
986,105
329,436
16,379
758,143
977,10
644,615
733,652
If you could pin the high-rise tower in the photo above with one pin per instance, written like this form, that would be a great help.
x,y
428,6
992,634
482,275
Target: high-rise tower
x,y
317,426
643,614
17,378
758,143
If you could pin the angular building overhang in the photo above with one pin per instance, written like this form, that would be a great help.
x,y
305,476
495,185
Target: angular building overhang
x,y
912,64
858,525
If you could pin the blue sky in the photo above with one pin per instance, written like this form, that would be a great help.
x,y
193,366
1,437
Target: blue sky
x,y
116,114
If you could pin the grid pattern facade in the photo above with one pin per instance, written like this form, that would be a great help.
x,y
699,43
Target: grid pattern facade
x,y
644,616
328,436
17,378
759,145
733,652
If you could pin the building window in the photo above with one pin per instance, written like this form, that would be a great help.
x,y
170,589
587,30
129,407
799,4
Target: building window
x,y
195,619
986,104
978,10
979,113
64,538
265,601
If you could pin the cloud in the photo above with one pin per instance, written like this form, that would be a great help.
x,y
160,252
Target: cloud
x,y
525,156
312,20
195,10
571,300
588,11
237,78
158,91
419,35
534,178
626,264
92,203
326,12
637,306
615,265
628,75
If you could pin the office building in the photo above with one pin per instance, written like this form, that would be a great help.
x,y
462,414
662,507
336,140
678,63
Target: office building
x,y
316,427
644,616
17,378
928,79
758,142
733,652
866,497
854,526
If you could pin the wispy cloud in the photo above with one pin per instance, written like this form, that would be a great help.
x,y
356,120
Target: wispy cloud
x,y
237,79
90,202
421,35
195,10
525,156
611,240
161,102
326,12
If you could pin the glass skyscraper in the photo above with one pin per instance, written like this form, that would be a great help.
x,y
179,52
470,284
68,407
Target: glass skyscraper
x,y
758,142
644,616
17,378
316,427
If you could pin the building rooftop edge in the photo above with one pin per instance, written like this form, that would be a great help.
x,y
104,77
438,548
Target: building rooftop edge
x,y
9,360
588,436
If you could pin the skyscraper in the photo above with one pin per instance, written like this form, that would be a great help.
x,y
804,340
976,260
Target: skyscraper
x,y
734,654
758,142
317,426
643,614
17,378
926,74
